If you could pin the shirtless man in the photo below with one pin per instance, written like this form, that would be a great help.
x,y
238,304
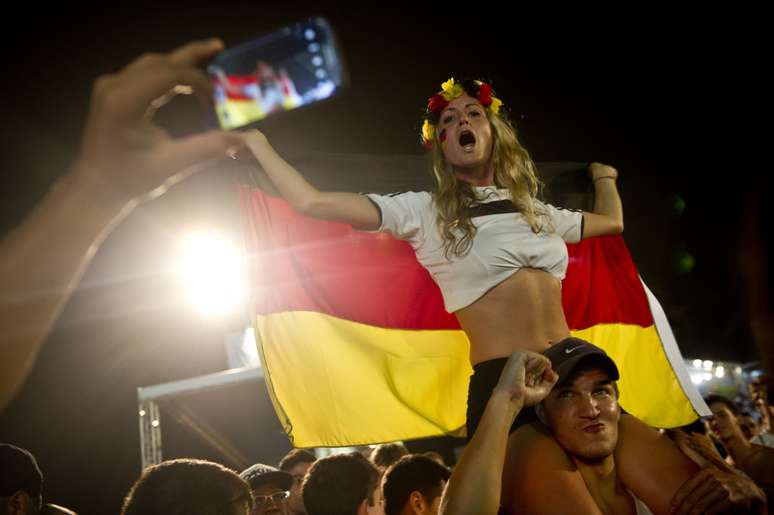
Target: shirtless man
x,y
582,414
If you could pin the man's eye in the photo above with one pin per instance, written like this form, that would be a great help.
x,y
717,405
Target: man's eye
x,y
604,391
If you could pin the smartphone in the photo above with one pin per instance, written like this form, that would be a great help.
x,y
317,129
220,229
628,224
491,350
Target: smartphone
x,y
293,67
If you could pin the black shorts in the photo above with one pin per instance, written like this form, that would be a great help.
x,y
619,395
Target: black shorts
x,y
482,383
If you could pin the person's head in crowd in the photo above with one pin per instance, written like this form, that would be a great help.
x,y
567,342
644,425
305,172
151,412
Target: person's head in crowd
x,y
270,488
749,425
344,484
435,456
760,400
700,426
386,454
725,417
55,509
21,482
296,463
758,388
188,487
582,410
413,486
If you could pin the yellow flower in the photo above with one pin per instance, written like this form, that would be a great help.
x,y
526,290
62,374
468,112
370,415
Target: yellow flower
x,y
495,105
428,131
450,90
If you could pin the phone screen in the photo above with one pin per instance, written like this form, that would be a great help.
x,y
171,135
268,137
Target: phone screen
x,y
292,67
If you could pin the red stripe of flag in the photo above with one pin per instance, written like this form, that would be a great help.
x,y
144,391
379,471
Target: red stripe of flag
x,y
303,264
602,285
233,86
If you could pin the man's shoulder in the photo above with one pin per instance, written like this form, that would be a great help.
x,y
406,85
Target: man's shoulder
x,y
534,441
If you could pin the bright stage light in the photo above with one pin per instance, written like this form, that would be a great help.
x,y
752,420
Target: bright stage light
x,y
697,363
720,372
213,270
707,365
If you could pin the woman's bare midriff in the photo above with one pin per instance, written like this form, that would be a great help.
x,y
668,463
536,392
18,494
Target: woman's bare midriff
x,y
525,312
522,312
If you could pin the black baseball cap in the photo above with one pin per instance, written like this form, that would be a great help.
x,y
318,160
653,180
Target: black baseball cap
x,y
567,354
260,474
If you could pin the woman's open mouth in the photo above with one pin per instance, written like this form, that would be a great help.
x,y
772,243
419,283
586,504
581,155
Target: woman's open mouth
x,y
467,140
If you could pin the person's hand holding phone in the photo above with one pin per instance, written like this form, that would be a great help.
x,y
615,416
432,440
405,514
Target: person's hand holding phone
x,y
283,70
123,154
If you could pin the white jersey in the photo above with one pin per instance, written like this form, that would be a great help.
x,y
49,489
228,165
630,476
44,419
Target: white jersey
x,y
503,244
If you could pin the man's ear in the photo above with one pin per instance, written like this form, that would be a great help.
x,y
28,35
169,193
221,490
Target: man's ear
x,y
541,413
362,508
417,502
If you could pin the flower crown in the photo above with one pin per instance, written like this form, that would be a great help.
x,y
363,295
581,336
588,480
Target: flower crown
x,y
449,91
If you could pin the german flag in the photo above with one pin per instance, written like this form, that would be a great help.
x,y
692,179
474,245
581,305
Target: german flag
x,y
357,348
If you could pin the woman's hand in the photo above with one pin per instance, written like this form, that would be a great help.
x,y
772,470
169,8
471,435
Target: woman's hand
x,y
607,216
602,171
716,491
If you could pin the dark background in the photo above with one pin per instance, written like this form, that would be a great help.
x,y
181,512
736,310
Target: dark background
x,y
674,100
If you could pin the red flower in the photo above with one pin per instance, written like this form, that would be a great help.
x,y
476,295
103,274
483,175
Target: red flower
x,y
485,94
436,103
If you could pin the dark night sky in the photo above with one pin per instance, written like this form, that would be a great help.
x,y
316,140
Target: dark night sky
x,y
674,100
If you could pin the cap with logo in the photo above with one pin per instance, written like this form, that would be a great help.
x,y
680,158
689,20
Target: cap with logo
x,y
567,354
260,474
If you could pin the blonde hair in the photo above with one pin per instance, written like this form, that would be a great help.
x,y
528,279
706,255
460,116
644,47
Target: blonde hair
x,y
513,169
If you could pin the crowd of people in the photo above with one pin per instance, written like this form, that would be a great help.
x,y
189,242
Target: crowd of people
x,y
547,434
575,398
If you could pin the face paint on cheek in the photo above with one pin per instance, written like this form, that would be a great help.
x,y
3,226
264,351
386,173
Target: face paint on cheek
x,y
442,137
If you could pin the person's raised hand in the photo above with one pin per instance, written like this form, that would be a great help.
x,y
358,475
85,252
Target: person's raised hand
x,y
599,171
123,152
527,378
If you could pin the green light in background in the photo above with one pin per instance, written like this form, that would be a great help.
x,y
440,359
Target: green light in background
x,y
683,262
678,204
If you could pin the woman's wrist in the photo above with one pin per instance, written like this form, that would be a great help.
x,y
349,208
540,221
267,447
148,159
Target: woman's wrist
x,y
613,177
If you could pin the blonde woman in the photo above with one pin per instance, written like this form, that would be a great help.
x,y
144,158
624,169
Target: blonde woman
x,y
498,255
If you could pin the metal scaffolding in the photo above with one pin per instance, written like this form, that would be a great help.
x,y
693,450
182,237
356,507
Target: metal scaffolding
x,y
148,407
